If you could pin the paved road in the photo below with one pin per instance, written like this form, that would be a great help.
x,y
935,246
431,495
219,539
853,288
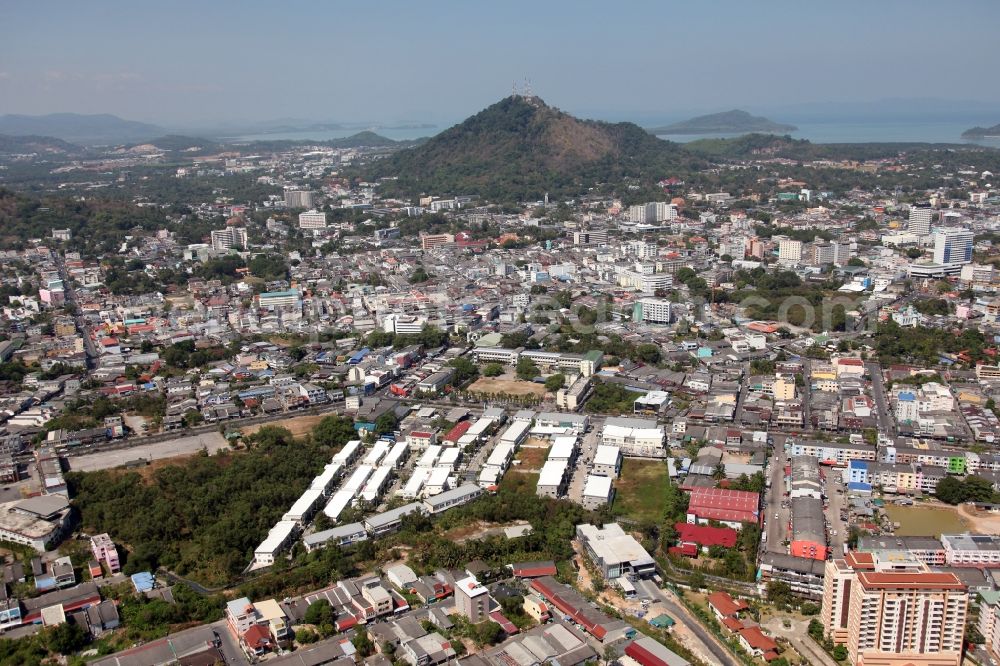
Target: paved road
x,y
712,646
886,423
837,502
776,528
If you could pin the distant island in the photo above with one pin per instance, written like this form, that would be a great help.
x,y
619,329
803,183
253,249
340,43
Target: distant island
x,y
981,132
727,122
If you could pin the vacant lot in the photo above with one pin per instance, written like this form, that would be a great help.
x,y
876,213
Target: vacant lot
x,y
641,490
532,457
492,385
299,426
171,448
926,520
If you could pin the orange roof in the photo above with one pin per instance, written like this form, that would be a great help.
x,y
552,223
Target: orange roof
x,y
910,580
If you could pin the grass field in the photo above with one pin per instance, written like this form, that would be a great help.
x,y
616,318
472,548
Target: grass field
x,y
925,520
532,457
640,492
299,426
509,386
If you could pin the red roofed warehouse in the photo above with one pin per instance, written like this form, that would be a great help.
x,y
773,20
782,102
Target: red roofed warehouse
x,y
649,652
705,536
730,507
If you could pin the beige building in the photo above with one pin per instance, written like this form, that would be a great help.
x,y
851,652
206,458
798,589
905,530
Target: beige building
x,y
894,613
472,600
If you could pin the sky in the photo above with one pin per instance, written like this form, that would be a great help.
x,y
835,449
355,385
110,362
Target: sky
x,y
182,63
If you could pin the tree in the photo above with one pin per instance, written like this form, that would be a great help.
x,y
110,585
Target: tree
x,y
840,652
333,431
386,423
493,370
65,638
320,612
465,370
486,633
779,593
526,368
363,643
697,580
648,353
555,382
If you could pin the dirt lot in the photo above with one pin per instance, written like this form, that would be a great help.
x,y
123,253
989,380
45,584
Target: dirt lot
x,y
532,458
983,522
299,426
509,386
173,448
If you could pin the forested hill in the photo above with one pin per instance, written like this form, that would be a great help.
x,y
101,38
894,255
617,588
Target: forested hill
x,y
520,148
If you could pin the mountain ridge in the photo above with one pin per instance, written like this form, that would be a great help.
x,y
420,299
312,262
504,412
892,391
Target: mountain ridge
x,y
724,123
981,132
80,128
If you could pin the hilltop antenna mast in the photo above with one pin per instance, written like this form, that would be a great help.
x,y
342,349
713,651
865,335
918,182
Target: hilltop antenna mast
x,y
513,89
527,87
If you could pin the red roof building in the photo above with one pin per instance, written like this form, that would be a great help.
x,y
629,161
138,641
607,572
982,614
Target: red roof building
x,y
456,433
705,536
509,627
727,506
756,643
533,569
649,652
257,639
724,605
686,550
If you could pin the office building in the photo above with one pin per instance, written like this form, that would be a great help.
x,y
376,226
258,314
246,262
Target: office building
x,y
230,238
312,219
590,237
953,246
894,612
920,219
614,552
298,198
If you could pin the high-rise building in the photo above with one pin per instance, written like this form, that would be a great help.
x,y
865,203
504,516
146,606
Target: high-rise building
x,y
953,246
299,198
230,238
841,253
789,251
652,311
637,214
894,613
472,600
822,253
312,219
920,219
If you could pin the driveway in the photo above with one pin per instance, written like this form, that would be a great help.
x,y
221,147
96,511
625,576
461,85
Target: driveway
x,y
798,635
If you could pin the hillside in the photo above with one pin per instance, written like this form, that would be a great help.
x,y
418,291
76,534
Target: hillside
x,y
79,128
981,132
520,148
726,122
32,143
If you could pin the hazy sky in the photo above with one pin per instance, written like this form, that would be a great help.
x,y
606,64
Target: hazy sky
x,y
180,63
